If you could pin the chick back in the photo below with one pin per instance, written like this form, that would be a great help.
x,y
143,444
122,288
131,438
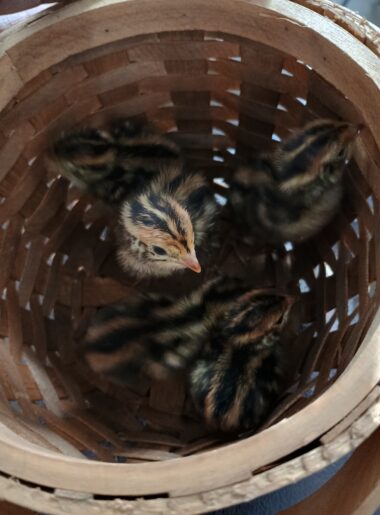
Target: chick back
x,y
293,192
237,378
115,163
155,335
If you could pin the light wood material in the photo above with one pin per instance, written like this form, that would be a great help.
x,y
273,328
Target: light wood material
x,y
222,81
354,490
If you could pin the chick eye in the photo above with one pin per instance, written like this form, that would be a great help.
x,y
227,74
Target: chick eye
x,y
160,251
342,153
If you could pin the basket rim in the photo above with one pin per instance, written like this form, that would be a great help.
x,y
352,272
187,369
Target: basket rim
x,y
363,372
264,483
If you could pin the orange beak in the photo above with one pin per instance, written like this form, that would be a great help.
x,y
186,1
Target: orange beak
x,y
191,261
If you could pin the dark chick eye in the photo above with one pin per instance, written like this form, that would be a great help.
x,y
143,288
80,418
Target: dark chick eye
x,y
160,251
342,153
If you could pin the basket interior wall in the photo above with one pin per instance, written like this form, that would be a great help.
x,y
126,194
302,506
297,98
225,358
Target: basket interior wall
x,y
222,98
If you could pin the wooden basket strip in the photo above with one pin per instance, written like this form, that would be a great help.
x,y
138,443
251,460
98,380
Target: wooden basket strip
x,y
329,97
29,182
15,330
16,382
358,203
328,360
60,443
64,230
62,372
39,336
151,437
73,115
51,287
95,425
12,149
75,433
30,270
314,352
135,105
47,208
359,183
183,50
33,434
251,106
168,396
105,63
10,80
363,268
9,248
43,382
244,73
115,78
369,166
357,336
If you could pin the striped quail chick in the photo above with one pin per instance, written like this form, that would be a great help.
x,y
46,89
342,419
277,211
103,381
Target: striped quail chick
x,y
292,193
164,212
160,228
113,164
227,340
156,335
238,375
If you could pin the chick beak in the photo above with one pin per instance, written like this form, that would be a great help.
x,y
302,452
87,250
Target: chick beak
x,y
191,261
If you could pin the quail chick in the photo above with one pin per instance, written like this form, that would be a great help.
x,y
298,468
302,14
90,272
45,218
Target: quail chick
x,y
225,338
115,163
164,213
160,229
237,377
155,335
292,193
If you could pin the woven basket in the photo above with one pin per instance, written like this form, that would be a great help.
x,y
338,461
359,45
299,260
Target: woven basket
x,y
223,78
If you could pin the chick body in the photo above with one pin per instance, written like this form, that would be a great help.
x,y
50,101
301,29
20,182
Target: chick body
x,y
226,339
160,228
155,335
164,213
294,192
237,377
116,163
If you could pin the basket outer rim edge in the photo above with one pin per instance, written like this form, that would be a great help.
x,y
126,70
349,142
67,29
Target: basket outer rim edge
x,y
290,472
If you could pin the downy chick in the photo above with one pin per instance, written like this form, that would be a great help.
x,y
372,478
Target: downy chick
x,y
292,193
164,212
156,334
226,339
160,229
113,163
238,376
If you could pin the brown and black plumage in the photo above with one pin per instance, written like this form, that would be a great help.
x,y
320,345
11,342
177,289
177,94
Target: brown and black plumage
x,y
237,377
292,193
160,228
113,163
226,339
164,213
155,335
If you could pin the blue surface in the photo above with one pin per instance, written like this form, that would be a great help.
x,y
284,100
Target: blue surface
x,y
282,499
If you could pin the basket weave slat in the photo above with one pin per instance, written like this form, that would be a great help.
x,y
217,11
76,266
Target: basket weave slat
x,y
222,82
